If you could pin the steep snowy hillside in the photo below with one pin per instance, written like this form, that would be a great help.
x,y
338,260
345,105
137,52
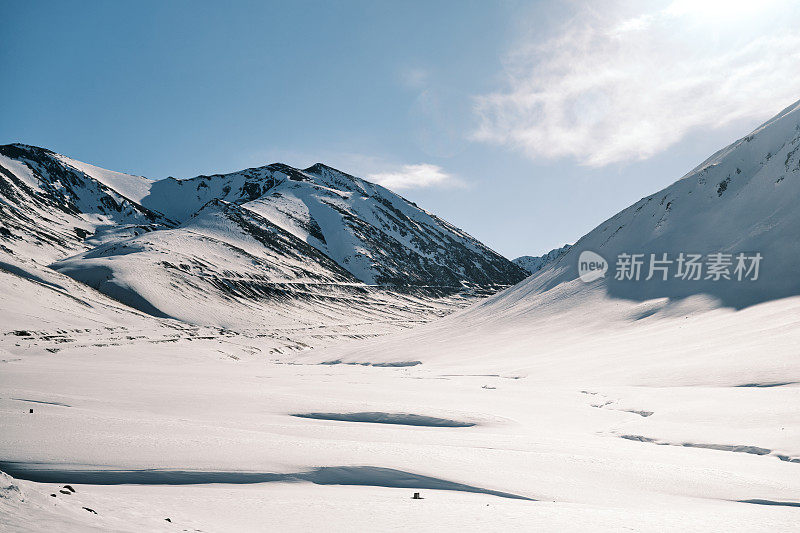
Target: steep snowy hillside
x,y
685,324
534,263
48,207
741,200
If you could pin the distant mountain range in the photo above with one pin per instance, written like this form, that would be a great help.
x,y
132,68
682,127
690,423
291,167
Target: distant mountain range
x,y
266,245
533,264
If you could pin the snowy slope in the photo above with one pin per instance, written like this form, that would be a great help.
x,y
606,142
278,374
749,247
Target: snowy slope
x,y
229,267
37,299
727,332
132,187
741,200
48,207
382,238
534,263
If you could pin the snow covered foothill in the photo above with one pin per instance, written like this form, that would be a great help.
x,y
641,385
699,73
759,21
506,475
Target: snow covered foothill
x,y
230,267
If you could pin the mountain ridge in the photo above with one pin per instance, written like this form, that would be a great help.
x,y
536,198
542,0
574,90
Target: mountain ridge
x,y
265,238
533,264
266,185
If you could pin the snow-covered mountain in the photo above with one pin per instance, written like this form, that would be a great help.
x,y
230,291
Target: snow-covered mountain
x,y
376,235
266,246
534,263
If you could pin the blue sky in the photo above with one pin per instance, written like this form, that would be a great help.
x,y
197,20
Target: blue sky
x,y
524,123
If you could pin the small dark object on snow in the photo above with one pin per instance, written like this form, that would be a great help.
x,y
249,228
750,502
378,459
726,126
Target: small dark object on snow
x,y
168,520
30,411
53,495
90,510
69,488
416,496
62,491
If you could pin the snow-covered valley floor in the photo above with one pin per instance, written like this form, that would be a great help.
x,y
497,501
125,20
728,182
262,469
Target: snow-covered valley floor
x,y
182,430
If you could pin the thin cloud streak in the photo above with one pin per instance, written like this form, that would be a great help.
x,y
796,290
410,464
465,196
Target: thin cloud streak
x,y
615,86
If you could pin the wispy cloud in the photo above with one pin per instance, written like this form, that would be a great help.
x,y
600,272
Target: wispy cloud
x,y
619,84
415,177
414,77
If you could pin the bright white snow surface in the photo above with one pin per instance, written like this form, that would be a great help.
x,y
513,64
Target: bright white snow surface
x,y
132,187
146,417
593,407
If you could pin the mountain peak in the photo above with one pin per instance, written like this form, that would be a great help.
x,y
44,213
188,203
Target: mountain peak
x,y
377,236
20,149
322,167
